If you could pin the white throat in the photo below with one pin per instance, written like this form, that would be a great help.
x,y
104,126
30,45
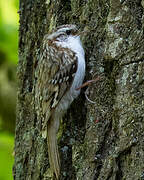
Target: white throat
x,y
73,43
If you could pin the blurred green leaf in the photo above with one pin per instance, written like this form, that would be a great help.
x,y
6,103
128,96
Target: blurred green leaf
x,y
8,55
9,30
6,157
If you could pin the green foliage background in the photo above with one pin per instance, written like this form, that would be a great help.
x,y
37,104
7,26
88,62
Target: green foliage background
x,y
8,61
8,30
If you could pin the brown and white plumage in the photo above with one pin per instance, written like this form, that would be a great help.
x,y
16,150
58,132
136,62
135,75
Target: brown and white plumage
x,y
60,70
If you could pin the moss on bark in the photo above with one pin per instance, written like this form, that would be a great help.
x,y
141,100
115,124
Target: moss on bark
x,y
102,140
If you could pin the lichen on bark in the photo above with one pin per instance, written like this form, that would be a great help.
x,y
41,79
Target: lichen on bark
x,y
98,141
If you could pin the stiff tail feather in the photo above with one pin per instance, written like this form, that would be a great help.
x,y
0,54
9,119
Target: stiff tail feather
x,y
53,152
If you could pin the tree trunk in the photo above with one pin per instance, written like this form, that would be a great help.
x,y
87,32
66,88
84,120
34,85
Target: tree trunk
x,y
101,140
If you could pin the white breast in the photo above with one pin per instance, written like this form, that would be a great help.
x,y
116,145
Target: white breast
x,y
75,45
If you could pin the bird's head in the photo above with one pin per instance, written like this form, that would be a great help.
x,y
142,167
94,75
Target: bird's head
x,y
64,33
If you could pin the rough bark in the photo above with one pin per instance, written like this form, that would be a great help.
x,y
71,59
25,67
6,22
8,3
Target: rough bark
x,y
98,141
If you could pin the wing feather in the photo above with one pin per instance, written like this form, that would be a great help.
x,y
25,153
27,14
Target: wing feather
x,y
54,75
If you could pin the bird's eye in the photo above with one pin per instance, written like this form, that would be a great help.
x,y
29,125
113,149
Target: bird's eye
x,y
68,32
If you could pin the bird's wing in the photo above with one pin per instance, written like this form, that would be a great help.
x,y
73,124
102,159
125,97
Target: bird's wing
x,y
54,75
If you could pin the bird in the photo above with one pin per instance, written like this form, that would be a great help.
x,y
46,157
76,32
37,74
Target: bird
x,y
59,73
